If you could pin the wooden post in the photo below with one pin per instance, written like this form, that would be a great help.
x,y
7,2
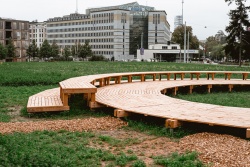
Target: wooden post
x,y
119,79
230,87
92,97
244,76
212,75
175,91
191,87
159,77
168,76
142,77
61,93
182,76
65,99
248,133
101,82
154,77
119,113
208,88
172,123
129,78
164,91
174,76
228,76
107,81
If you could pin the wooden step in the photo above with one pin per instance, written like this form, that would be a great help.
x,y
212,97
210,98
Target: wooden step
x,y
48,100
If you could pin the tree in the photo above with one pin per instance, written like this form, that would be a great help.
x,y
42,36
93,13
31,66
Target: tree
x,y
33,50
66,52
54,50
178,37
3,52
11,50
238,41
45,50
85,50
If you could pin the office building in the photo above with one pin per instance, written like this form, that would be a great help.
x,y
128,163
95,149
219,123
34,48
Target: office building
x,y
178,21
114,31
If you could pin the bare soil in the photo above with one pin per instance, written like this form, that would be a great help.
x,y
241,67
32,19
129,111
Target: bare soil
x,y
214,149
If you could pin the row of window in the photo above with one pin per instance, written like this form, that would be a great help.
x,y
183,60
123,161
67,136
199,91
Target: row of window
x,y
103,52
82,29
35,35
107,40
111,20
100,34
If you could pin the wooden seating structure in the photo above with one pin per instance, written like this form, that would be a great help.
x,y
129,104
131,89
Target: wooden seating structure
x,y
91,86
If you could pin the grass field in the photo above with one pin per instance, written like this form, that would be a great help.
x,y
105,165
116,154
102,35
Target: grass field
x,y
18,81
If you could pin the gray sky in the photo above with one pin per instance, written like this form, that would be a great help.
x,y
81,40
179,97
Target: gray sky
x,y
199,14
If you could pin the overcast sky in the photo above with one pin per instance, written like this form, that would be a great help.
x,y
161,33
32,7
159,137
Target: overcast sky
x,y
212,14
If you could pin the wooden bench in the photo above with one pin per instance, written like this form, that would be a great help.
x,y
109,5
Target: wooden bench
x,y
88,85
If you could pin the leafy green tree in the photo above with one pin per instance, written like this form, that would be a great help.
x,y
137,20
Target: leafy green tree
x,y
33,50
3,52
11,50
45,50
238,41
178,37
54,50
85,50
66,52
218,52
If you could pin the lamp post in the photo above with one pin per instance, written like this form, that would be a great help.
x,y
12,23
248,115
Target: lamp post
x,y
185,42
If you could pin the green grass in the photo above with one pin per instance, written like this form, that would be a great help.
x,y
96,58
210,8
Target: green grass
x,y
189,159
18,81
233,99
50,73
57,149
151,128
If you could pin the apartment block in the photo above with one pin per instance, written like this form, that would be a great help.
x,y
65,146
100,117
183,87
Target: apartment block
x,y
18,31
38,32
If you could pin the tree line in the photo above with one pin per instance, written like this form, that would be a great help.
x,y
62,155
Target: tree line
x,y
54,51
49,51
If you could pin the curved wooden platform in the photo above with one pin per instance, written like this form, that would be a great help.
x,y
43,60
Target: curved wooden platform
x,y
147,98
142,92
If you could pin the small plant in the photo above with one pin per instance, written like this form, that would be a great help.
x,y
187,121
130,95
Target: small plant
x,y
189,159
139,163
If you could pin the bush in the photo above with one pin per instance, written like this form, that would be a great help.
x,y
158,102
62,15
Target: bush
x,y
97,58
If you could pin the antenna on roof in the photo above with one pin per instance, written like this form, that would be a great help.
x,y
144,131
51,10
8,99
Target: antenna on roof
x,y
76,6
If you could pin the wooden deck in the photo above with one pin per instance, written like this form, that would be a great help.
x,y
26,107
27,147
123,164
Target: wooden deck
x,y
143,93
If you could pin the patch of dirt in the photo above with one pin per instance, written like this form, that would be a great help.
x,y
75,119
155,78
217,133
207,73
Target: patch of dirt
x,y
14,113
215,149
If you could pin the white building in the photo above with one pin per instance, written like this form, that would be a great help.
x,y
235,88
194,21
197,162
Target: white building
x,y
114,31
178,21
165,52
38,32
